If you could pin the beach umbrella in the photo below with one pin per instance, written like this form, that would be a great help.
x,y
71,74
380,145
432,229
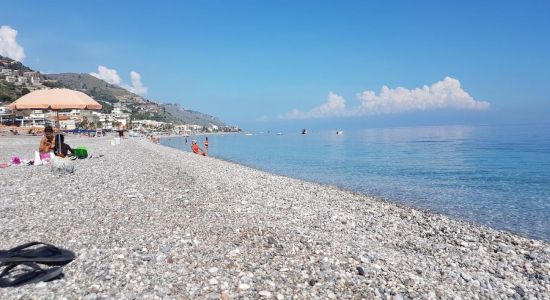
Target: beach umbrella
x,y
55,100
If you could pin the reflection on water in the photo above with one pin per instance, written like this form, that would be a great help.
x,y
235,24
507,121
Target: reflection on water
x,y
498,176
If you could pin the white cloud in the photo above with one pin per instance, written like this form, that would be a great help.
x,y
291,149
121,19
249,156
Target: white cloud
x,y
137,86
334,107
111,76
443,94
8,44
108,75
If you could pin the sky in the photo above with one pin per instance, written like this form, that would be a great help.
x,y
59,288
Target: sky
x,y
280,62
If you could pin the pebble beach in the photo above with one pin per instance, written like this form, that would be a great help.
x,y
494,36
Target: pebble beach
x,y
151,222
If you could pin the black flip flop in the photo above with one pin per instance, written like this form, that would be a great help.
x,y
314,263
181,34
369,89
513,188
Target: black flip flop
x,y
45,254
34,275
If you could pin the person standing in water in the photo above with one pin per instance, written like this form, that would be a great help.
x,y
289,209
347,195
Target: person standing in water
x,y
206,143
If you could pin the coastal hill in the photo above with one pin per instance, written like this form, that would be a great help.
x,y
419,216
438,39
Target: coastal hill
x,y
107,94
141,108
191,116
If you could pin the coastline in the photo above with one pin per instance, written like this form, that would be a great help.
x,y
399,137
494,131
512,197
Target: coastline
x,y
151,221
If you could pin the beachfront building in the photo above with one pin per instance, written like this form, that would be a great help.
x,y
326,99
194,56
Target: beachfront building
x,y
147,125
6,115
115,120
186,128
35,118
65,122
212,128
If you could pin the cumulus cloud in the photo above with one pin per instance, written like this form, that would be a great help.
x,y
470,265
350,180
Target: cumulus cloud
x,y
334,107
111,76
108,75
137,86
8,44
444,94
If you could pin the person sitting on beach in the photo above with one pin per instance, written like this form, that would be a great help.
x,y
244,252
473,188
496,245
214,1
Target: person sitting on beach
x,y
196,148
47,143
61,149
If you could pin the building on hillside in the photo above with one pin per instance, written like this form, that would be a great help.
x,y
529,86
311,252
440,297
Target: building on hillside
x,y
35,81
11,79
7,72
22,80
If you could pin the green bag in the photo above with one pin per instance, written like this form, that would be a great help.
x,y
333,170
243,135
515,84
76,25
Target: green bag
x,y
80,152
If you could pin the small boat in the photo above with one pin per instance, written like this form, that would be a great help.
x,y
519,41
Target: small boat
x,y
339,132
304,131
279,133
248,134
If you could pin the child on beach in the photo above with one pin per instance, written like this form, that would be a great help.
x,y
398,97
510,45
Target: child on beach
x,y
61,149
47,143
196,148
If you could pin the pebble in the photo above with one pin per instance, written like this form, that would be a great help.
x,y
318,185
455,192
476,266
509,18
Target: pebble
x,y
266,294
154,245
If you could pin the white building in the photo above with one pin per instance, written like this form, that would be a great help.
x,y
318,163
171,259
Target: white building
x,y
5,113
11,79
35,80
22,80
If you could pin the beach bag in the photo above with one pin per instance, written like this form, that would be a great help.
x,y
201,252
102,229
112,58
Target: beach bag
x,y
61,166
42,158
80,152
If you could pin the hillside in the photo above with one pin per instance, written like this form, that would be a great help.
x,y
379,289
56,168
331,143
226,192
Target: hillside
x,y
9,92
107,94
192,117
88,83
139,107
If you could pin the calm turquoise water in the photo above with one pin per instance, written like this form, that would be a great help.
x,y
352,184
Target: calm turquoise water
x,y
497,176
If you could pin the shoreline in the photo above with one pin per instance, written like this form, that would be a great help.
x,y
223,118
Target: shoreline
x,y
377,197
241,232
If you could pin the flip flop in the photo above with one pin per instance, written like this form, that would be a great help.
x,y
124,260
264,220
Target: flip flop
x,y
34,275
45,254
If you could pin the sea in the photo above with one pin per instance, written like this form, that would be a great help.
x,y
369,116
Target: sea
x,y
498,176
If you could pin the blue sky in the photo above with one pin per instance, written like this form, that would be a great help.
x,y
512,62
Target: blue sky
x,y
260,63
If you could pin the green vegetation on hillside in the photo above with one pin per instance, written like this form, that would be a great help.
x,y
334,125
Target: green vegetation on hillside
x,y
10,92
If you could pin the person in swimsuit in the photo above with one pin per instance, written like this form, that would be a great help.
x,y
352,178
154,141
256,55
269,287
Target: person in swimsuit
x,y
196,148
47,143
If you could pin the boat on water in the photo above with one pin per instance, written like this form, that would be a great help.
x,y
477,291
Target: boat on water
x,y
304,131
279,133
339,132
248,134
